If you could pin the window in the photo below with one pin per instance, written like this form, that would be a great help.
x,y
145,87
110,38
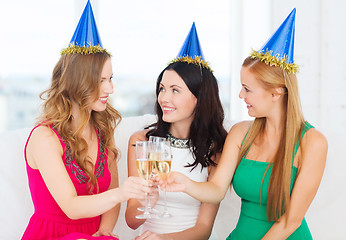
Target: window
x,y
143,36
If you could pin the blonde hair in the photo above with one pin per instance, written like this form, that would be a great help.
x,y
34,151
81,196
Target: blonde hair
x,y
280,180
76,78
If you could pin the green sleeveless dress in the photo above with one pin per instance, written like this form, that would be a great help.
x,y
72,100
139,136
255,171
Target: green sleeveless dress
x,y
253,223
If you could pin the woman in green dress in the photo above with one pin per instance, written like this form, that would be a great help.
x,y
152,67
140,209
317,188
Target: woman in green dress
x,y
276,161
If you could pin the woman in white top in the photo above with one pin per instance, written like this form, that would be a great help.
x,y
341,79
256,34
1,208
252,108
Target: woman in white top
x,y
190,116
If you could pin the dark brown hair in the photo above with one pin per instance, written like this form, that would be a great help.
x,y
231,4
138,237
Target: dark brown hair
x,y
207,134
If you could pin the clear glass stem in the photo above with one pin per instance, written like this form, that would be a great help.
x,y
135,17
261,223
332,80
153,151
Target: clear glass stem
x,y
148,204
165,200
146,207
165,213
146,214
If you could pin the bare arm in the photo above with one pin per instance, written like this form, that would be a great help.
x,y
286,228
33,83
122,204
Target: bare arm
x,y
59,184
215,189
313,159
109,218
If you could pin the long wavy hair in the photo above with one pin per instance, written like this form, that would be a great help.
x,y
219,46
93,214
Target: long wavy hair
x,y
76,78
207,134
280,180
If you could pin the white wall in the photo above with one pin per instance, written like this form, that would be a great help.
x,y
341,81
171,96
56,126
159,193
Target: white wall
x,y
320,52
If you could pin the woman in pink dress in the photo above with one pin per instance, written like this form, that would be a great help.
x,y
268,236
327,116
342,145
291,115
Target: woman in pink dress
x,y
71,154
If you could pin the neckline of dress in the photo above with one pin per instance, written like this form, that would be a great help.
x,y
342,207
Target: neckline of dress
x,y
251,160
178,142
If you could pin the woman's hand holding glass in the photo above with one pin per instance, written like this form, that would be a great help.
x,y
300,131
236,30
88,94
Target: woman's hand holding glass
x,y
134,187
175,182
153,196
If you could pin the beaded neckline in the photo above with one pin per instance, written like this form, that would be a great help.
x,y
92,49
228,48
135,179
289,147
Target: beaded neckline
x,y
178,142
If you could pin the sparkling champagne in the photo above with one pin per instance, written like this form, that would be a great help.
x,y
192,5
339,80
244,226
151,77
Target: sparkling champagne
x,y
144,167
163,167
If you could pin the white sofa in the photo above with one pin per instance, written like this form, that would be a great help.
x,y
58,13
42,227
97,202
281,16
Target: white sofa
x,y
16,205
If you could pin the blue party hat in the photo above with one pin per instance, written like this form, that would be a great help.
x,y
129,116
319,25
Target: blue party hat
x,y
191,51
279,49
191,46
86,39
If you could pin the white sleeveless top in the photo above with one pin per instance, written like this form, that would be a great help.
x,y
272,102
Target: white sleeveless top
x,y
183,208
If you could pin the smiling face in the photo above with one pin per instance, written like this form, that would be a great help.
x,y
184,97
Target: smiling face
x,y
176,100
259,100
106,87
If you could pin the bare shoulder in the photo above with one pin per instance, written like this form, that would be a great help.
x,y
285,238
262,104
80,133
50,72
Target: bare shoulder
x,y
41,138
138,136
240,129
314,149
242,126
237,133
314,140
43,135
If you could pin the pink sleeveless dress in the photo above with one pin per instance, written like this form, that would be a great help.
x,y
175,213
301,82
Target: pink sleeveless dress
x,y
49,222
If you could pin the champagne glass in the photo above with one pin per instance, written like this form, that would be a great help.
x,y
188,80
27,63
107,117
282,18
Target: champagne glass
x,y
163,167
152,155
155,148
144,168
